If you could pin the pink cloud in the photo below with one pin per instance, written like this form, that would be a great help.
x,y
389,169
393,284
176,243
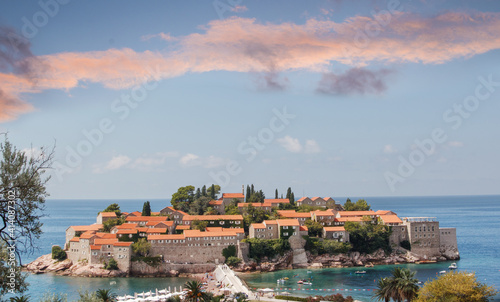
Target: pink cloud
x,y
245,45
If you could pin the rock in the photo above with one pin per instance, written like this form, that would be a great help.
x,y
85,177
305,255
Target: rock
x,y
174,273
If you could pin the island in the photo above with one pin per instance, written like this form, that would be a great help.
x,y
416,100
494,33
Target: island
x,y
248,232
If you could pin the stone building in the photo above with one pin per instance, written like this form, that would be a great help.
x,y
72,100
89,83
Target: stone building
x,y
218,205
336,233
326,218
291,214
424,236
102,217
225,221
268,229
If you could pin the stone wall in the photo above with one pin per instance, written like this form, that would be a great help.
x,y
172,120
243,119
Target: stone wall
x,y
138,268
424,238
448,243
399,233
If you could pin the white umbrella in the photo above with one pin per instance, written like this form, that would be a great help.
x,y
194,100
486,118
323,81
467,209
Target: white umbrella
x,y
267,290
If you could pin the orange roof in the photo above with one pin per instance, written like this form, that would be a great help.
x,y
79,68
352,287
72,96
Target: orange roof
x,y
212,217
183,227
127,231
143,229
155,223
356,213
105,241
83,228
328,212
136,213
126,226
166,237
303,228
106,235
87,235
214,229
288,222
354,219
233,195
75,239
146,218
385,212
254,204
178,211
327,198
216,202
293,214
303,198
258,225
270,222
334,229
156,230
314,198
108,214
123,243
279,200
95,247
390,219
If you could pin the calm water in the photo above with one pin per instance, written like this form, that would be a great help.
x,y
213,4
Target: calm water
x,y
477,219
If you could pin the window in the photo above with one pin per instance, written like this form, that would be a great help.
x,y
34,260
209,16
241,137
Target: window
x,y
424,228
211,222
433,228
270,228
160,241
237,222
285,234
222,222
416,229
294,233
285,227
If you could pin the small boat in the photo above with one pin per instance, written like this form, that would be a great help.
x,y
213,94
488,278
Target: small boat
x,y
286,278
309,272
453,266
304,281
300,282
360,272
442,272
307,283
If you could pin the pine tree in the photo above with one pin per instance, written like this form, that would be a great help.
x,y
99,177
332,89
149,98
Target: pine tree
x,y
276,194
204,191
146,209
212,192
248,193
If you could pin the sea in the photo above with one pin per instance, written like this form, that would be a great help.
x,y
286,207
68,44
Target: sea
x,y
476,218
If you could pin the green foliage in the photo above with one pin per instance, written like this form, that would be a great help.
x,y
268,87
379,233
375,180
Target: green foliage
x,y
367,237
286,206
114,207
194,292
401,286
141,248
291,298
334,298
153,261
146,209
229,251
86,296
106,295
213,191
323,246
58,253
405,244
53,297
199,225
456,287
19,299
185,199
360,205
307,208
276,194
260,248
22,187
233,261
111,265
109,224
314,228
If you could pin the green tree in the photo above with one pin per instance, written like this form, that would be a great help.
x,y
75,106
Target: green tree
x,y
22,199
141,248
109,224
106,295
86,296
112,264
233,261
20,299
367,237
199,225
114,207
204,191
456,287
360,205
58,253
214,191
314,228
292,198
182,199
199,206
401,286
276,194
146,209
194,292
198,193
229,251
247,197
288,193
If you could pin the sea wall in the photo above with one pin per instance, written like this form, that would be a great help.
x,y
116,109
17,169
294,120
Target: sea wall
x,y
169,269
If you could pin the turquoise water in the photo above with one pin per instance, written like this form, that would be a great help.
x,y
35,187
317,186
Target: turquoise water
x,y
477,219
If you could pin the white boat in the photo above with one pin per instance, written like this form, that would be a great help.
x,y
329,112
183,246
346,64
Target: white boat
x,y
453,266
360,272
442,272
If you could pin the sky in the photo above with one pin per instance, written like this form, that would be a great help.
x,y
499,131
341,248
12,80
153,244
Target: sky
x,y
330,98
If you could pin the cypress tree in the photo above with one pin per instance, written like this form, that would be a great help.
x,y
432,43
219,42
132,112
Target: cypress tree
x,y
146,209
212,192
204,191
198,193
252,190
292,198
276,194
288,192
248,193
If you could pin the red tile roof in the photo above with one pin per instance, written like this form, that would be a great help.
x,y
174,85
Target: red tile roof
x,y
279,200
216,202
106,235
83,228
95,247
334,229
127,226
166,237
105,241
356,213
390,219
123,243
212,217
233,195
258,225
183,227
127,231
293,214
108,214
303,198
328,212
270,222
156,230
288,222
146,218
74,239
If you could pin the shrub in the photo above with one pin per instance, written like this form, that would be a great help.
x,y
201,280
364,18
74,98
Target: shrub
x,y
112,265
233,261
151,261
58,253
291,298
229,251
324,246
260,248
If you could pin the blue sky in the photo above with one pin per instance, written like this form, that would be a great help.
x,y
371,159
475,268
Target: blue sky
x,y
332,98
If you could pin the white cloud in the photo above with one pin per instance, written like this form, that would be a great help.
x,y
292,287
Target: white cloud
x,y
115,163
293,145
311,147
455,144
193,160
290,144
389,149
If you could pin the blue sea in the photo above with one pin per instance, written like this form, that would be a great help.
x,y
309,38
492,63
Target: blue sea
x,y
477,219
